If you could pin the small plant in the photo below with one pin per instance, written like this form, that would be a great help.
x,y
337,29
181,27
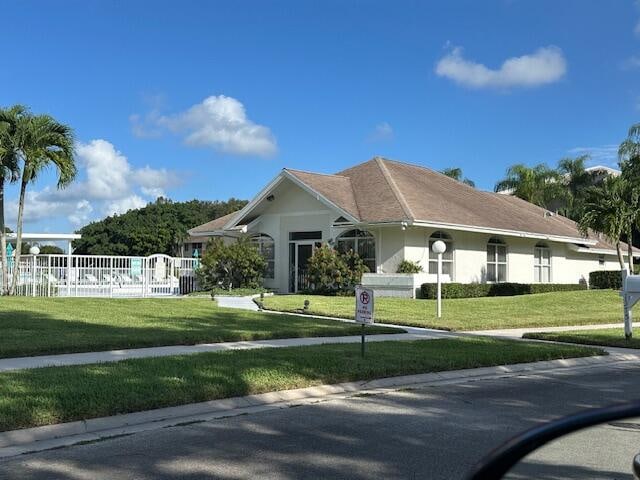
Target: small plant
x,y
306,306
407,266
333,273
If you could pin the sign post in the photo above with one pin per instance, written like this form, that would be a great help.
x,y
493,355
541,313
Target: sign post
x,y
364,309
439,247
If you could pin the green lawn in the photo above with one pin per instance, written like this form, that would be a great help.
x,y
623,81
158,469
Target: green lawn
x,y
611,337
61,394
32,326
541,310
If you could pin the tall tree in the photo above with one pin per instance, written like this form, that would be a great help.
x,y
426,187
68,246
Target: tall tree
x,y
577,180
9,172
629,161
456,174
540,185
607,210
42,142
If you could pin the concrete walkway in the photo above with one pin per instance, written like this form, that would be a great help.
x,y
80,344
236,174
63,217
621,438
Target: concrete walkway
x,y
242,303
8,364
519,332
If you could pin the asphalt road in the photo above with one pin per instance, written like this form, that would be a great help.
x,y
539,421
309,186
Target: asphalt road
x,y
432,433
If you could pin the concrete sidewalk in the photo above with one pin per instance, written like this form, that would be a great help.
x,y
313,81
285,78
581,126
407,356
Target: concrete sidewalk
x,y
519,332
8,364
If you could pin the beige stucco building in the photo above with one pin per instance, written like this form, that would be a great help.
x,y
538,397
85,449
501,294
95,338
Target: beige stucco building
x,y
390,211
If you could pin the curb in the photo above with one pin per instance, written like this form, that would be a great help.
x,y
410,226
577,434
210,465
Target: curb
x,y
17,442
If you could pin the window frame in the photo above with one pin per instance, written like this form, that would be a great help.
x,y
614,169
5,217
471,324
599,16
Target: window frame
x,y
357,235
260,240
538,264
433,257
496,243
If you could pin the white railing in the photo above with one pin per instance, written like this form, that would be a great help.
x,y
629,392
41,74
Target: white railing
x,y
104,276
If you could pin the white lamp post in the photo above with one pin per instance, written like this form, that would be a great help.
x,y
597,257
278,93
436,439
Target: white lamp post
x,y
35,250
439,247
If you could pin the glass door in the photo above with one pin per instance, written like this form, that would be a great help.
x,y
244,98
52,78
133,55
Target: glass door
x,y
299,255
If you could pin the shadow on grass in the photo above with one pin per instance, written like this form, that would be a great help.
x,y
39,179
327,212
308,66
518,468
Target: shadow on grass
x,y
119,324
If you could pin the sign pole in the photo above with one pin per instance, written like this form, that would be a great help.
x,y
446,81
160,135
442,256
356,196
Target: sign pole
x,y
364,312
363,337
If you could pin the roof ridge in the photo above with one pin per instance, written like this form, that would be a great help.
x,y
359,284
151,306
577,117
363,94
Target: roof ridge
x,y
394,188
315,173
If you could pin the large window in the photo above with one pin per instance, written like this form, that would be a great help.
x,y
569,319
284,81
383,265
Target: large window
x,y
542,263
361,242
447,256
496,260
266,246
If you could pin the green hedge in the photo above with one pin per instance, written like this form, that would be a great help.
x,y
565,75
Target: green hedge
x,y
605,279
471,290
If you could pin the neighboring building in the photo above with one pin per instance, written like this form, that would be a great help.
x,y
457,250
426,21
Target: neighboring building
x,y
390,211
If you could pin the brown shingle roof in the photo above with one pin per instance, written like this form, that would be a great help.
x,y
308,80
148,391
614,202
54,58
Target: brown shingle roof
x,y
213,225
382,190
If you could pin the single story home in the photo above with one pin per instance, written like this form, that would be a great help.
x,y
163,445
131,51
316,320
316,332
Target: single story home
x,y
389,211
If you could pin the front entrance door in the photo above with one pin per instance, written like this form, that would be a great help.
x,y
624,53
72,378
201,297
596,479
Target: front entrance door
x,y
299,255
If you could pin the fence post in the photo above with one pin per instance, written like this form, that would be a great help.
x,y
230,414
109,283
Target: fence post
x,y
69,272
33,276
111,277
48,275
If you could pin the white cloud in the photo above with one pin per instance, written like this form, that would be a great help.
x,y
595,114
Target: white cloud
x,y
602,155
544,66
631,63
108,185
123,205
382,131
219,122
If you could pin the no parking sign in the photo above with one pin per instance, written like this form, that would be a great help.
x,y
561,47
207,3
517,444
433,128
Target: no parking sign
x,y
364,305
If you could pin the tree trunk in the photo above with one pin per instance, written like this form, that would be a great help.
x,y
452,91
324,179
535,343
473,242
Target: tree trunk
x,y
16,265
620,257
4,285
630,248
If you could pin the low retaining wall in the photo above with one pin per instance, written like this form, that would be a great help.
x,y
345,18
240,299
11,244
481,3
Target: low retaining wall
x,y
403,285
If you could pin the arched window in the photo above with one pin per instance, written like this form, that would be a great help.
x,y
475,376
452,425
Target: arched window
x,y
266,246
447,256
361,242
541,263
496,260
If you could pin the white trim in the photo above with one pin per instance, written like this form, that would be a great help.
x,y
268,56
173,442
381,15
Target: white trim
x,y
46,236
274,183
601,251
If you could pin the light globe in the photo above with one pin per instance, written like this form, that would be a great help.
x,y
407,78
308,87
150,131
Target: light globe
x,y
439,247
35,250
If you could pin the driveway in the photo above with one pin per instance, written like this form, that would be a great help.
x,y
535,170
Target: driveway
x,y
435,432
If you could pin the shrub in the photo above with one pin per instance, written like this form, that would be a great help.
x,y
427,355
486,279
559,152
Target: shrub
x,y
604,279
407,266
237,265
473,290
332,273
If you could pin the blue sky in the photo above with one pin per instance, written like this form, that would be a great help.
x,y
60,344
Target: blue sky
x,y
210,100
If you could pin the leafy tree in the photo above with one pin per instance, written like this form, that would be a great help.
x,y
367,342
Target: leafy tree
x,y
236,265
456,174
50,250
576,180
331,272
608,210
9,171
160,227
540,185
40,142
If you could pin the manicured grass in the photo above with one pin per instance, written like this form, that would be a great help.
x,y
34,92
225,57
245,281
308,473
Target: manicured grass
x,y
540,310
32,326
61,394
610,337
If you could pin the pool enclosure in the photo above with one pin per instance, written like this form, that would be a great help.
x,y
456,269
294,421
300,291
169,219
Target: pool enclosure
x,y
104,276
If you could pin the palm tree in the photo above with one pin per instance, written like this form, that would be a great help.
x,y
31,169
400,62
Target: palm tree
x,y
456,174
9,171
42,142
576,180
607,210
540,185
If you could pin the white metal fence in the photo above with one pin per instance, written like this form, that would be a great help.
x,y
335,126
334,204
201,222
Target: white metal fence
x,y
104,276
